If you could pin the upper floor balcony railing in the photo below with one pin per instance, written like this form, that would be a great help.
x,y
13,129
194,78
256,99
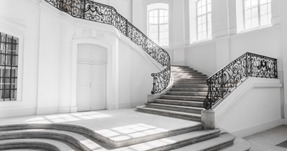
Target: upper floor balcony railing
x,y
101,13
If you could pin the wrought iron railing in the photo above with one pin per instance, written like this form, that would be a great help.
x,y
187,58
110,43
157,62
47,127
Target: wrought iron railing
x,y
223,82
101,13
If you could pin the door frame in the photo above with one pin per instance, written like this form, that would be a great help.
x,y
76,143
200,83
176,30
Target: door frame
x,y
111,67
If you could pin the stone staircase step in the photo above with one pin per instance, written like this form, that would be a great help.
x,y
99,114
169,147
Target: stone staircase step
x,y
215,144
35,144
189,77
74,140
82,136
174,114
185,98
190,89
174,142
239,145
190,86
187,93
195,110
180,102
190,82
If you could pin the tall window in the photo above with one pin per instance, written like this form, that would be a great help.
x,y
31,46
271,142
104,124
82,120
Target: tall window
x,y
256,13
203,19
158,23
8,67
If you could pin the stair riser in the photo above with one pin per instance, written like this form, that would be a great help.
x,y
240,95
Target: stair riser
x,y
186,142
187,93
190,89
190,86
184,98
185,117
174,109
189,82
220,146
55,136
29,145
191,104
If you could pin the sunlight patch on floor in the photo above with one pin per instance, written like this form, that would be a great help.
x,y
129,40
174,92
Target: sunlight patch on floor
x,y
67,117
130,131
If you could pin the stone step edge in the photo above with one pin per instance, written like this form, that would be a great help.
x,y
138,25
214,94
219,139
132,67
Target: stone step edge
x,y
24,145
43,144
45,135
162,101
224,140
176,141
171,114
100,139
178,106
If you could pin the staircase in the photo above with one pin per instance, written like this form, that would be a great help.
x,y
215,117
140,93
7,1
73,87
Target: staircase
x,y
185,101
185,98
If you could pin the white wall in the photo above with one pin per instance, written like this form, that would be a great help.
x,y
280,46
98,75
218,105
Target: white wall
x,y
49,38
252,107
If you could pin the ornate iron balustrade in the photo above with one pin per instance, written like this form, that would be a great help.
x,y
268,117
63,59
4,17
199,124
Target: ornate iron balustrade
x,y
101,13
223,82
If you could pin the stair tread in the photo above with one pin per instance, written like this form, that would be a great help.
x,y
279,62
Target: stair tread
x,y
156,144
174,96
180,101
83,140
205,145
172,112
239,145
60,145
186,107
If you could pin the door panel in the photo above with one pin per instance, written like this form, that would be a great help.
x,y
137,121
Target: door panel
x,y
98,87
83,88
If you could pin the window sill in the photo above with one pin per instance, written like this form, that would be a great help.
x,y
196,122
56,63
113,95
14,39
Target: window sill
x,y
201,41
254,29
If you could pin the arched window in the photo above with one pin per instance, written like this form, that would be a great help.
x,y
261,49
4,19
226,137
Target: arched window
x,y
158,23
256,13
203,19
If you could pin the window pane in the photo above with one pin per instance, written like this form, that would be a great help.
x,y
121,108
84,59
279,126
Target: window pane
x,y
158,24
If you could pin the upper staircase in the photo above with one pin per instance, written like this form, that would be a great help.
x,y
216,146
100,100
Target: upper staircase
x,y
185,99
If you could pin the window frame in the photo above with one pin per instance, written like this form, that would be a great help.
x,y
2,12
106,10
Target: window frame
x,y
158,9
258,6
14,54
206,19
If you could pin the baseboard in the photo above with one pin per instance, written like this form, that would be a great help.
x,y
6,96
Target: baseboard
x,y
258,128
16,112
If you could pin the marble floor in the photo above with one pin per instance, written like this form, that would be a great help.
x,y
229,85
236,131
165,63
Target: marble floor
x,y
267,140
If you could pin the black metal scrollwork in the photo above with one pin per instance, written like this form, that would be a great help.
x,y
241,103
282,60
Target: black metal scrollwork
x,y
223,82
101,13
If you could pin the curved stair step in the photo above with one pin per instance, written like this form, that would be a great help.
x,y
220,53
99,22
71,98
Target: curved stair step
x,y
174,142
187,109
239,145
173,114
180,102
35,144
72,139
224,140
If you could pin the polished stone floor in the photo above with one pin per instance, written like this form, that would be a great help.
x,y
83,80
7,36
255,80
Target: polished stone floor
x,y
267,140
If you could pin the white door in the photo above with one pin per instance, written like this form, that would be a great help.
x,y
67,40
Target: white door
x,y
91,78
